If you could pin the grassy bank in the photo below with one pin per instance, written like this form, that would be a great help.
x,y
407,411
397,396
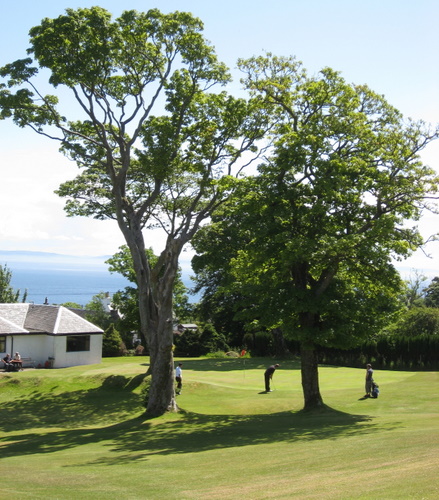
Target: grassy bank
x,y
81,433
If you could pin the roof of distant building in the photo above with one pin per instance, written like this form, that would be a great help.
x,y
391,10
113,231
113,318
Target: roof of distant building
x,y
31,318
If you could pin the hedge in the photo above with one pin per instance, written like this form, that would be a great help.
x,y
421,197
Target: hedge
x,y
420,352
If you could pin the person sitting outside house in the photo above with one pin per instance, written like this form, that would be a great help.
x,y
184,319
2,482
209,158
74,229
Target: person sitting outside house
x,y
7,361
17,361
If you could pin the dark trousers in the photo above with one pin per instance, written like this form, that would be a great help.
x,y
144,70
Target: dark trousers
x,y
267,377
179,383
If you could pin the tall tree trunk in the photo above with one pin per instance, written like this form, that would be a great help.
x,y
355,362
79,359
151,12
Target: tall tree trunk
x,y
155,288
162,391
309,322
310,377
157,326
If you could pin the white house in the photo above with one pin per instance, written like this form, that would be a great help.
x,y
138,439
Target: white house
x,y
48,333
187,326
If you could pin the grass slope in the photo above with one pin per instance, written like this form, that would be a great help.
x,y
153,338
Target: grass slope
x,y
81,433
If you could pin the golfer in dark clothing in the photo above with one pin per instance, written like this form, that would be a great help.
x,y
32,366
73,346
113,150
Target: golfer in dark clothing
x,y
268,375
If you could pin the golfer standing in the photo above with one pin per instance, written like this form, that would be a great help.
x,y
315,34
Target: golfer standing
x,y
179,377
268,375
369,380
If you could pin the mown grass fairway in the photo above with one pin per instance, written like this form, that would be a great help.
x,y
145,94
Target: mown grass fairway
x,y
81,433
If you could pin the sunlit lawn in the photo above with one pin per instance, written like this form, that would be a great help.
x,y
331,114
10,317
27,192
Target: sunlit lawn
x,y
81,433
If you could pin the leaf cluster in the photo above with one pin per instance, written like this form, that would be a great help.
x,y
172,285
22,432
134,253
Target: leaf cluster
x,y
307,244
151,136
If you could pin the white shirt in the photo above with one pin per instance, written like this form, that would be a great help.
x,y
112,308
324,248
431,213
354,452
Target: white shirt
x,y
178,371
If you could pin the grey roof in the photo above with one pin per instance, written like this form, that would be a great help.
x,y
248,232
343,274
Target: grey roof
x,y
15,313
9,327
30,318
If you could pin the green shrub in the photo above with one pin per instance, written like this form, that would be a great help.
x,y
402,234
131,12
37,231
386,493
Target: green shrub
x,y
418,321
188,343
212,341
262,344
200,342
216,355
259,343
112,344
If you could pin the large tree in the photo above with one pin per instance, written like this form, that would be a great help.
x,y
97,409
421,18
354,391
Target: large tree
x,y
158,147
311,238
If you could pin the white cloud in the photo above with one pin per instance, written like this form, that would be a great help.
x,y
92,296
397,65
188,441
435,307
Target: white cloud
x,y
31,214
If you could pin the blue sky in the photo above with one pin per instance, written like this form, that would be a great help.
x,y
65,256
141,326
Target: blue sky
x,y
390,45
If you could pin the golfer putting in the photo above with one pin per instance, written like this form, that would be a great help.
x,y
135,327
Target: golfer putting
x,y
268,375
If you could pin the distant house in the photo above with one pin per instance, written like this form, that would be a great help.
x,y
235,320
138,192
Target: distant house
x,y
185,326
49,333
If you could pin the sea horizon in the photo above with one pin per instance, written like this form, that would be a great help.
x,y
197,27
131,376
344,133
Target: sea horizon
x,y
58,286
56,278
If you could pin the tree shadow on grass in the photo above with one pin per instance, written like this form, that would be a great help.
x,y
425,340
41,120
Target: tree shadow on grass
x,y
68,420
139,438
113,398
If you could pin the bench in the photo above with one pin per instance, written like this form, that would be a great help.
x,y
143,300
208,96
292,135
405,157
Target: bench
x,y
28,363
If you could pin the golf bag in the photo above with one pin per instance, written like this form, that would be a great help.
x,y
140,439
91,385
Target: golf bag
x,y
375,390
